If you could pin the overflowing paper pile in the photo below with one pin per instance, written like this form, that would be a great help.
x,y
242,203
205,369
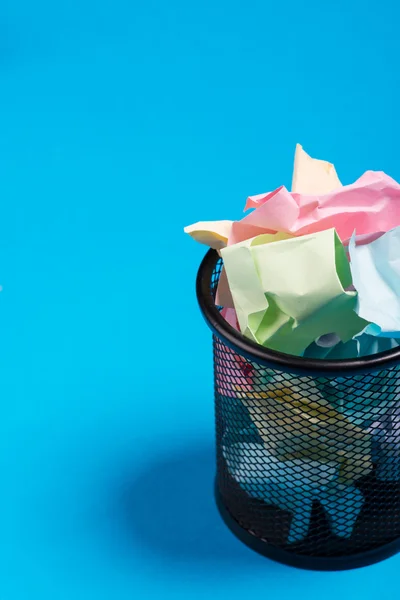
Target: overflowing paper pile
x,y
316,271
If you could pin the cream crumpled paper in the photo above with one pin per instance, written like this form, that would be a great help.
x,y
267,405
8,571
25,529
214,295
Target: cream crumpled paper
x,y
293,425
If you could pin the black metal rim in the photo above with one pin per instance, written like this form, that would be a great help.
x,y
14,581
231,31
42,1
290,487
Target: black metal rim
x,y
340,563
271,358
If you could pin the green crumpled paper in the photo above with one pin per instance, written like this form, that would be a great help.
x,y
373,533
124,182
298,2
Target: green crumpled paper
x,y
288,291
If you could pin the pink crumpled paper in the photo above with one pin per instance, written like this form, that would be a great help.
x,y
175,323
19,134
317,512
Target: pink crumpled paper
x,y
370,205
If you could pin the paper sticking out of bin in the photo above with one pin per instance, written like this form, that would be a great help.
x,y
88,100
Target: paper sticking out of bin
x,y
291,274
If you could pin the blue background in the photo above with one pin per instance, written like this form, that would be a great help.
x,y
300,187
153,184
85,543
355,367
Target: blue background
x,y
121,122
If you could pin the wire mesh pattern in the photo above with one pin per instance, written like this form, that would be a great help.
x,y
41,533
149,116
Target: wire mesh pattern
x,y
309,464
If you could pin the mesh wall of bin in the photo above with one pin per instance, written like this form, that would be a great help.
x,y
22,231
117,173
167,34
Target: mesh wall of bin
x,y
308,451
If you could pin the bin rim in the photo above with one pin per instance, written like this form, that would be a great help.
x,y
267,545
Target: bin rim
x,y
270,358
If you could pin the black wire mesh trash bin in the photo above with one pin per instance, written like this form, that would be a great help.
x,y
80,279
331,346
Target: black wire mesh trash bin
x,y
308,451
